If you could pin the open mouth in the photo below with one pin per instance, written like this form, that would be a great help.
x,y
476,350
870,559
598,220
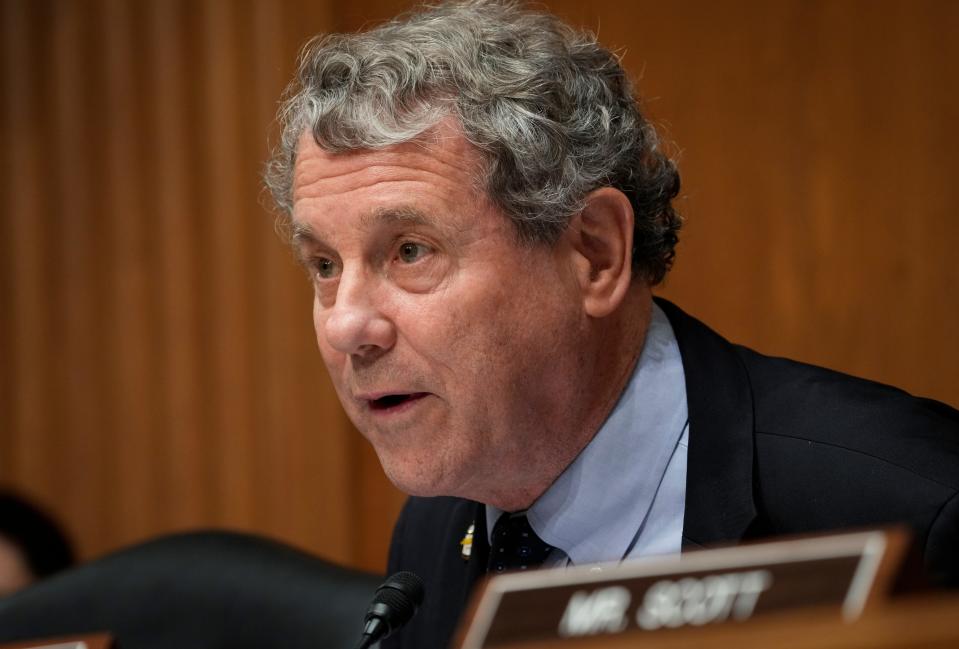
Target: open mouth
x,y
392,401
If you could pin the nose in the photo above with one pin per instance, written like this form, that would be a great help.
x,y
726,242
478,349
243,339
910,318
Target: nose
x,y
355,324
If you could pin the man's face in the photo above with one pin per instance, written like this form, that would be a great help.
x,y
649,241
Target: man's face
x,y
453,348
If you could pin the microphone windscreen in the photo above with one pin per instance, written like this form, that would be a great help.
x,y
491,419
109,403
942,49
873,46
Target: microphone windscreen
x,y
402,593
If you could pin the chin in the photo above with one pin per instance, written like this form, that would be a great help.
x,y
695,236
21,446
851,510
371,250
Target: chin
x,y
416,485
417,478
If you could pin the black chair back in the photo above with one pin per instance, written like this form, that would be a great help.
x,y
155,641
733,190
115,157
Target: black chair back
x,y
203,590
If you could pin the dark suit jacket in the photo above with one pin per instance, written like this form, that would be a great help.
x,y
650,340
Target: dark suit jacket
x,y
775,447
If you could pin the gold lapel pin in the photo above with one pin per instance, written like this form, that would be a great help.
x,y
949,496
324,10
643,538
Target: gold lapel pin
x,y
466,545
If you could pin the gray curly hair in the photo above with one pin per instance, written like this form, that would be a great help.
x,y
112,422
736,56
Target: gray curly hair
x,y
550,110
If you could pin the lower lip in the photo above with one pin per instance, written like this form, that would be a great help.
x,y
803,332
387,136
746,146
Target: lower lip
x,y
401,407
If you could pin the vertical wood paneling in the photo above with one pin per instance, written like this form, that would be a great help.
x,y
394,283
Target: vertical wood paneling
x,y
181,398
8,384
7,378
26,209
230,264
131,332
159,370
79,316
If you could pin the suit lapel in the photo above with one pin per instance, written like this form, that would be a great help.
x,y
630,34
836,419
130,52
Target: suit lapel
x,y
719,473
438,559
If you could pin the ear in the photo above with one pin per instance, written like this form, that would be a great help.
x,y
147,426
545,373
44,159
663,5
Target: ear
x,y
601,242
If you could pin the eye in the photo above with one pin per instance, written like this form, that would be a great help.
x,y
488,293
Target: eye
x,y
326,268
410,251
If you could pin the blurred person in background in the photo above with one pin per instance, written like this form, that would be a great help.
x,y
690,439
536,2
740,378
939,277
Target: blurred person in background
x,y
32,544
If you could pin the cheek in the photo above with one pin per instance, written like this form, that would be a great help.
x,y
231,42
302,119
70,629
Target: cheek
x,y
536,336
504,337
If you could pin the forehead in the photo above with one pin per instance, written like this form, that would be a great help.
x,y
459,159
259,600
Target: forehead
x,y
441,157
430,183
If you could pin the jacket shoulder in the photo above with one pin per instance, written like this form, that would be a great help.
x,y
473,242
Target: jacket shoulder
x,y
818,406
837,451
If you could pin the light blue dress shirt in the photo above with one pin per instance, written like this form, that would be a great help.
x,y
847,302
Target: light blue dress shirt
x,y
624,495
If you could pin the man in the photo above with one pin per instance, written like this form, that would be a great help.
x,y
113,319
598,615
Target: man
x,y
483,212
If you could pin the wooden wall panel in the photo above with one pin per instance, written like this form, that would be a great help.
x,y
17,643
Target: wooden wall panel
x,y
158,367
170,56
78,344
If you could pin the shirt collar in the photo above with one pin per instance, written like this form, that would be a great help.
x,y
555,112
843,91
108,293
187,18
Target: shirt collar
x,y
596,507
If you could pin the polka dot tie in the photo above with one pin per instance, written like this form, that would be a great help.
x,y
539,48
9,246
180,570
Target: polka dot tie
x,y
515,546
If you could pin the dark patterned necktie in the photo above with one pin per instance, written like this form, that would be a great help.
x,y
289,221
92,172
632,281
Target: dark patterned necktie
x,y
514,545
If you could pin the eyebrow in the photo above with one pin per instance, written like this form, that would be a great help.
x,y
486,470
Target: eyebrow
x,y
302,233
405,215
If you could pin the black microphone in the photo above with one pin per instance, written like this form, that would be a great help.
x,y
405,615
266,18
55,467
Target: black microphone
x,y
394,603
